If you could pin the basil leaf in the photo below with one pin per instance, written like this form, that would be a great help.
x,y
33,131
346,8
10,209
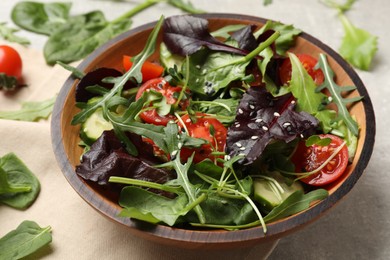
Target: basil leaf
x,y
80,36
358,46
31,111
296,202
26,239
18,175
43,18
8,34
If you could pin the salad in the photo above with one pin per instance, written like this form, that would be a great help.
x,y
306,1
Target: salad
x,y
228,129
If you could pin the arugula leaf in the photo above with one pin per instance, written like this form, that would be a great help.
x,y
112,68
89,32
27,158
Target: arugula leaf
x,y
342,7
8,34
42,18
296,202
23,186
31,111
134,72
358,46
336,97
267,2
26,239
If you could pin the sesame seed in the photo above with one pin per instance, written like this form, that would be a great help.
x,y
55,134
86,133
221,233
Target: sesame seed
x,y
254,137
240,111
330,99
227,157
157,120
188,120
238,125
276,114
293,102
197,66
301,135
259,120
238,144
174,153
264,128
241,154
242,148
286,124
251,106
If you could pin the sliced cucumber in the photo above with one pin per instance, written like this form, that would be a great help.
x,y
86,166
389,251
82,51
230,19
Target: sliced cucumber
x,y
167,59
94,127
270,191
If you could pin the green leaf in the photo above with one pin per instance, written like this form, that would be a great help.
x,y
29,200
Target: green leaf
x,y
296,202
7,82
43,18
80,36
343,131
142,204
316,140
8,34
31,111
7,188
26,239
20,177
336,95
342,7
185,6
358,46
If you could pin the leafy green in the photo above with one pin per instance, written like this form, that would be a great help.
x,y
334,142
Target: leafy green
x,y
8,34
26,239
80,35
267,2
288,33
296,202
31,111
358,46
185,6
336,95
42,18
7,83
303,88
19,187
343,131
342,7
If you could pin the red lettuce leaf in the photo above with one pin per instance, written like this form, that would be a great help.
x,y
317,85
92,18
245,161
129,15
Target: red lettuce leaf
x,y
184,35
107,158
245,38
262,118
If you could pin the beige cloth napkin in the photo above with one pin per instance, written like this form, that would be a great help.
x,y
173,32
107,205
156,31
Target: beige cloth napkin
x,y
79,232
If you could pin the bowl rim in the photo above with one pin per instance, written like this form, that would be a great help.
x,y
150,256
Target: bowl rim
x,y
276,229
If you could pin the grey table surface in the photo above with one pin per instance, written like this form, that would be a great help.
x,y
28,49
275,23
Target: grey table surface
x,y
359,226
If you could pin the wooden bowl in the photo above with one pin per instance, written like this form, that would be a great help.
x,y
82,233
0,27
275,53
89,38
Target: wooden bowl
x,y
65,139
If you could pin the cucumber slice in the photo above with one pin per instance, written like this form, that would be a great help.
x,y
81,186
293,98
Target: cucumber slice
x,y
94,127
270,191
167,59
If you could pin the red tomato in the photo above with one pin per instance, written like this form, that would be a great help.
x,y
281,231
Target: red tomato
x,y
307,159
149,70
308,63
160,85
10,62
202,128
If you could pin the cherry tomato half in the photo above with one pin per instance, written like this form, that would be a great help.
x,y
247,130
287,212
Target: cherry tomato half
x,y
307,159
160,85
206,128
308,62
149,69
10,62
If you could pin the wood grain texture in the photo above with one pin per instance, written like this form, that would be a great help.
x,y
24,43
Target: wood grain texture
x,y
65,141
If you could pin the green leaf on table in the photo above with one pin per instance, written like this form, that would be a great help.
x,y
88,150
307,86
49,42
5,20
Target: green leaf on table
x,y
347,5
81,35
296,202
267,2
42,18
336,92
26,239
30,111
358,46
185,6
24,184
8,34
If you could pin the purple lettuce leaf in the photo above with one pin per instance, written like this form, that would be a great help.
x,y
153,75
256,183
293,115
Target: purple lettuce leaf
x,y
262,118
107,158
184,35
245,38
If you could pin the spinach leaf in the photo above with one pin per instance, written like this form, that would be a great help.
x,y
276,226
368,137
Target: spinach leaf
x,y
26,239
8,34
336,97
80,35
358,46
296,202
144,205
42,18
18,176
31,111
